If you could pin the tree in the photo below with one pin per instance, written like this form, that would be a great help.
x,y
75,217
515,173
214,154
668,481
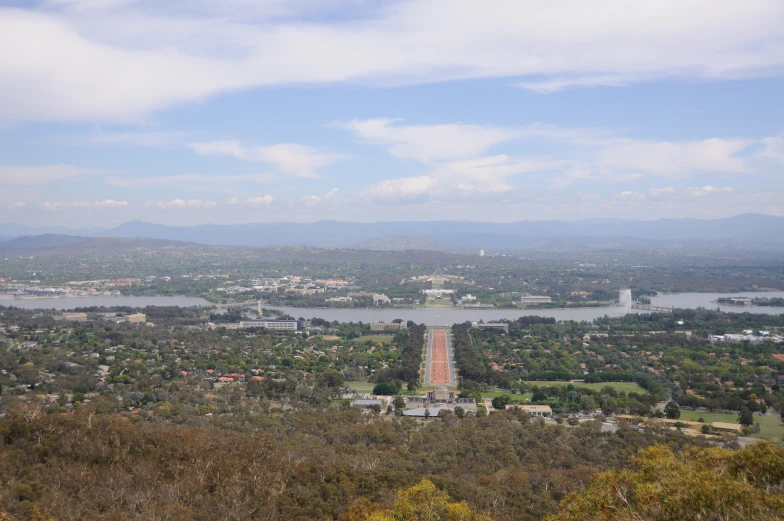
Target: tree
x,y
386,389
672,411
696,484
427,413
746,417
400,403
425,502
500,402
459,412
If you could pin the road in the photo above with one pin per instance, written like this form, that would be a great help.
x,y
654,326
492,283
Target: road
x,y
439,368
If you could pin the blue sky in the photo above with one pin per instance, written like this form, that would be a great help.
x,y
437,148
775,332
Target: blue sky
x,y
269,110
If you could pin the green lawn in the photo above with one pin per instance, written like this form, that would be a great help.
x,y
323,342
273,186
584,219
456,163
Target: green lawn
x,y
516,398
626,387
361,386
438,303
384,339
770,426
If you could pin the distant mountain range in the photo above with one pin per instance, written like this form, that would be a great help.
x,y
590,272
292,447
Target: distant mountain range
x,y
746,229
51,244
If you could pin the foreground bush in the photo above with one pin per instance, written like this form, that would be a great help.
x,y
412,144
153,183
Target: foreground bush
x,y
696,484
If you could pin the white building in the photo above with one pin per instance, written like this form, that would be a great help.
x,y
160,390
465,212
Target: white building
x,y
388,326
339,299
533,410
535,299
437,292
379,299
277,325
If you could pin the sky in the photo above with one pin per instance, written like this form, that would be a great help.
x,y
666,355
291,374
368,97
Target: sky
x,y
187,112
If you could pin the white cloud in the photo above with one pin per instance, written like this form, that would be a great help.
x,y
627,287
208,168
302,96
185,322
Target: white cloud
x,y
773,149
408,189
182,203
429,143
51,206
107,203
121,60
111,203
672,194
259,200
667,159
252,201
40,175
290,158
17,206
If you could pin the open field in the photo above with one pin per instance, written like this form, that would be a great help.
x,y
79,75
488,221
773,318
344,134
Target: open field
x,y
626,387
384,339
438,303
516,398
770,426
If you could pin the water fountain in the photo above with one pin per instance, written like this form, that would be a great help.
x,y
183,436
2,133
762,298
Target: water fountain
x,y
625,298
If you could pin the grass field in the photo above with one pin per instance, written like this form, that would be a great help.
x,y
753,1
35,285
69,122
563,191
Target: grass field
x,y
626,387
438,303
384,339
516,398
770,426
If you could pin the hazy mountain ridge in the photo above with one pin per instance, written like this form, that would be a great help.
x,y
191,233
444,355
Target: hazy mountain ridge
x,y
52,244
756,229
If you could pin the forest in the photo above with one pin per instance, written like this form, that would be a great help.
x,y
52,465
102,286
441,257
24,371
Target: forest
x,y
303,465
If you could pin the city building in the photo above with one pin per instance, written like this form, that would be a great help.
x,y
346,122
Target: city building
x,y
277,325
535,299
533,410
367,404
501,326
380,299
437,292
388,326
339,299
436,401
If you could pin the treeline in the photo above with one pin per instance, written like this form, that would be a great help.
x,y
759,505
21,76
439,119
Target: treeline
x,y
473,372
699,320
413,342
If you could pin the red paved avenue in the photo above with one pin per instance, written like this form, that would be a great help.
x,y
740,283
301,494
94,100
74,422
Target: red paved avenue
x,y
439,365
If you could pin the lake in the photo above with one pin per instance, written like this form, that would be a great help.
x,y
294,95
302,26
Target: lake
x,y
429,316
706,300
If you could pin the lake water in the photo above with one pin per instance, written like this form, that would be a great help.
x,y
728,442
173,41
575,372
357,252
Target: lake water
x,y
428,316
706,300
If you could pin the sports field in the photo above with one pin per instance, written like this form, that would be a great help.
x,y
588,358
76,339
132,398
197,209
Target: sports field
x,y
770,426
627,387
